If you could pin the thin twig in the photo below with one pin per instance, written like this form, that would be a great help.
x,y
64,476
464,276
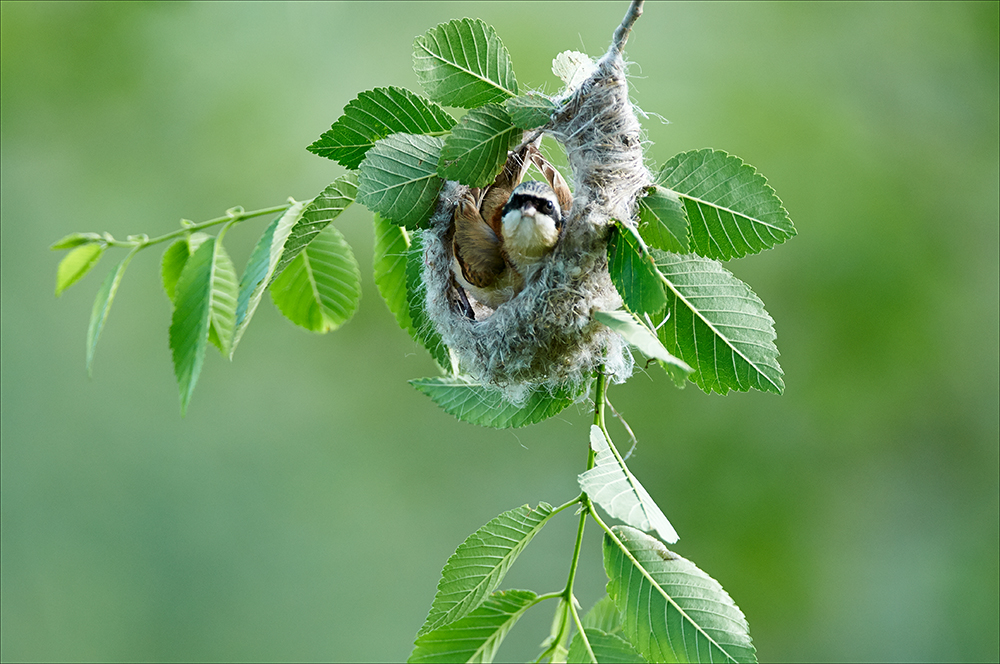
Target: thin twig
x,y
621,34
627,428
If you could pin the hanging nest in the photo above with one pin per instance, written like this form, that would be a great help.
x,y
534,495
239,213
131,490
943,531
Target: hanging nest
x,y
545,337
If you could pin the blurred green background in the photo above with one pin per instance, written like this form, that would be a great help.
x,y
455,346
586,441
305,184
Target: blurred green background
x,y
304,508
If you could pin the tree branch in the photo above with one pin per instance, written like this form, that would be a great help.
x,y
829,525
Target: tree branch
x,y
623,30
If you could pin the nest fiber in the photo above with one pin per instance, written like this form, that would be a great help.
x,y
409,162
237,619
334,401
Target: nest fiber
x,y
545,337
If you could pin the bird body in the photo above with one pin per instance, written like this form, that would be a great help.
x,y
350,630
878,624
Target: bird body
x,y
503,232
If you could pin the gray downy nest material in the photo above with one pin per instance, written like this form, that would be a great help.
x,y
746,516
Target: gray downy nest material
x,y
545,336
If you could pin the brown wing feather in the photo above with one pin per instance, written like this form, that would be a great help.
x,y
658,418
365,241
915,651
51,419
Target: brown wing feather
x,y
498,193
476,246
555,179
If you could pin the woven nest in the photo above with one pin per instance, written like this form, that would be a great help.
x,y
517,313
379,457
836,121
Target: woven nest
x,y
545,337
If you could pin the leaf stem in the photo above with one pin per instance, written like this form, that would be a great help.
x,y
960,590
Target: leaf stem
x,y
232,216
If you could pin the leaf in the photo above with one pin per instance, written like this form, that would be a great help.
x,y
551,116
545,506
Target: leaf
x,y
715,323
531,110
633,274
604,615
320,211
471,402
639,336
77,263
463,63
225,290
663,223
375,114
476,637
398,178
391,246
190,321
733,211
321,288
174,259
609,648
612,485
673,611
421,326
102,307
573,68
75,240
476,150
260,268
480,563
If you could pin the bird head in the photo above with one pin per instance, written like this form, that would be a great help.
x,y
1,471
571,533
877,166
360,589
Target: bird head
x,y
531,221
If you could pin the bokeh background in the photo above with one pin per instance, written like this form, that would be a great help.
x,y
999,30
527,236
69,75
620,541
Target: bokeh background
x,y
305,506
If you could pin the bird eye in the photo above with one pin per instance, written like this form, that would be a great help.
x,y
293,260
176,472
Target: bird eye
x,y
546,207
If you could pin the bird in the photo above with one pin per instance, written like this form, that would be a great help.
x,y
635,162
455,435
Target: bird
x,y
504,231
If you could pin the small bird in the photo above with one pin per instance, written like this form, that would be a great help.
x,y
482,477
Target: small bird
x,y
504,231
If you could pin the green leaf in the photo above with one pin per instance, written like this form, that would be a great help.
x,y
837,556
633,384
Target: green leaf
x,y
391,246
663,223
604,615
320,211
375,114
573,68
476,150
612,485
174,259
261,266
75,240
531,110
225,290
673,611
641,337
421,326
479,564
633,273
471,402
715,323
102,306
732,209
321,288
609,648
77,263
476,637
463,63
399,180
190,321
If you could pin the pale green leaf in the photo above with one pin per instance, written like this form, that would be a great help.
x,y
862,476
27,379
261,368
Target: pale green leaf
x,y
732,210
633,272
190,321
640,336
225,290
261,266
392,243
715,323
603,648
75,240
102,306
477,148
612,485
531,110
321,288
471,402
398,178
375,114
174,259
573,67
673,611
479,564
463,63
663,223
604,615
318,213
477,636
421,326
77,263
